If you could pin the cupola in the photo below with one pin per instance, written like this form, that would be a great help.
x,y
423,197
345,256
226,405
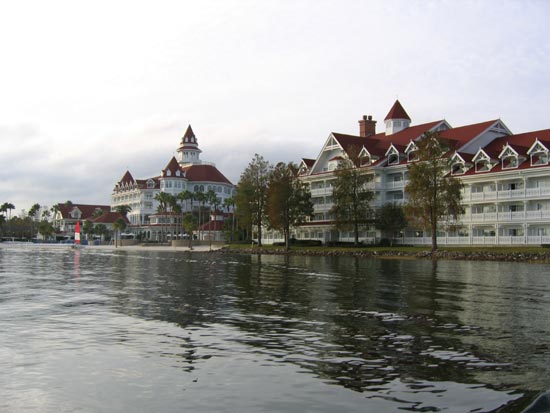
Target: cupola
x,y
397,119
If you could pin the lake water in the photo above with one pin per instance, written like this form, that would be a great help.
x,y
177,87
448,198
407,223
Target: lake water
x,y
94,330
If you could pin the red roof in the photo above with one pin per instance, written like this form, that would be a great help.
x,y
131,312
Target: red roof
x,y
204,173
309,162
212,226
463,134
189,133
142,183
397,112
109,218
520,142
188,141
409,134
172,166
87,211
127,178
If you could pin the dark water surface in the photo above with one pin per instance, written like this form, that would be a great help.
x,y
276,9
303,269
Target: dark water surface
x,y
94,330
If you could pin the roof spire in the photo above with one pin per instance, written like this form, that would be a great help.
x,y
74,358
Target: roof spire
x,y
397,119
397,112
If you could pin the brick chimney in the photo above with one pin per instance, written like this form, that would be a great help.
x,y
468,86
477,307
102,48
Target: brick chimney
x,y
367,126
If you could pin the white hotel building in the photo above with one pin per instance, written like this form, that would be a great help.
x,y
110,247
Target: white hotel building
x,y
188,172
506,180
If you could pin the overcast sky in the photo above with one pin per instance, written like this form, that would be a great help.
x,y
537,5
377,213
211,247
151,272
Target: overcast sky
x,y
90,89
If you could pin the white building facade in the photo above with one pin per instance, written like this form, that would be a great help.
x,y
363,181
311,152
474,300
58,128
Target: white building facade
x,y
186,173
506,180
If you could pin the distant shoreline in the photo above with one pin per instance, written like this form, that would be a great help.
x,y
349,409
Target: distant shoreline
x,y
517,255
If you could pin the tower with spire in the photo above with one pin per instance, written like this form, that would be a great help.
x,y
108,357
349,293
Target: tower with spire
x,y
188,151
397,119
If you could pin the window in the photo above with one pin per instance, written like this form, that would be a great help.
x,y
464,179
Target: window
x,y
393,159
457,169
510,162
539,158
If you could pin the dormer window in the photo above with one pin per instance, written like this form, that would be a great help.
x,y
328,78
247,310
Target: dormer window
x,y
178,173
458,169
509,157
538,154
483,165
510,162
168,173
365,160
540,158
482,161
393,159
393,155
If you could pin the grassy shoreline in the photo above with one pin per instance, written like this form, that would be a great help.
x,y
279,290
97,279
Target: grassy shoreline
x,y
477,253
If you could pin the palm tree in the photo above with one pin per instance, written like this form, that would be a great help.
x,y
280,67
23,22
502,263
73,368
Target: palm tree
x,y
55,210
7,207
164,199
2,220
185,196
201,199
123,209
229,204
214,201
88,229
119,226
33,214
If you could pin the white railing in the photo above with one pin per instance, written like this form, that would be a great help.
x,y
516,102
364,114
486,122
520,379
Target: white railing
x,y
505,194
541,213
505,216
321,191
322,207
481,240
394,185
537,191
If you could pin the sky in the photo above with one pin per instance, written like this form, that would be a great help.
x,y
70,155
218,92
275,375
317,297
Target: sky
x,y
89,90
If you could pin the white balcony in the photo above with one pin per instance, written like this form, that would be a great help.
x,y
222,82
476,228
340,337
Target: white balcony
x,y
395,185
536,192
322,207
540,214
321,191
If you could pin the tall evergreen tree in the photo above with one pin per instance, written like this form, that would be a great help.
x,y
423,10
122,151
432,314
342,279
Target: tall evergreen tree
x,y
251,193
351,196
434,196
288,200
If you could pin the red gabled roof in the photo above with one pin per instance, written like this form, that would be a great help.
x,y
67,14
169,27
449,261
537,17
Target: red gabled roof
x,y
520,142
127,178
397,112
189,133
86,210
172,166
212,226
409,134
109,218
309,162
142,183
461,135
204,173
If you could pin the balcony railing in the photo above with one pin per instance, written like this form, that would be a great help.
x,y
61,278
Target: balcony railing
x,y
507,216
504,194
481,240
321,191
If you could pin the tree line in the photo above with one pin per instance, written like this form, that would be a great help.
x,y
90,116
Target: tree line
x,y
274,197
